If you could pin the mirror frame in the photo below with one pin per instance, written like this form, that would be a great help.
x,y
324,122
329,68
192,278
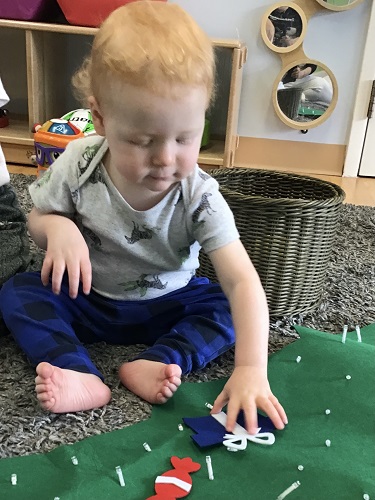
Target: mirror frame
x,y
339,8
299,42
314,123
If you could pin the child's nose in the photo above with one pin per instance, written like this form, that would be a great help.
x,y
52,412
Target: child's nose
x,y
164,155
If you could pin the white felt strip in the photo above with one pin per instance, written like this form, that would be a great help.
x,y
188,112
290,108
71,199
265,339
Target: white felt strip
x,y
173,480
221,417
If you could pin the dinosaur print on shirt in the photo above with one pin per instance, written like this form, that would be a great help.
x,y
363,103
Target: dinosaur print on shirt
x,y
204,206
143,285
139,234
93,239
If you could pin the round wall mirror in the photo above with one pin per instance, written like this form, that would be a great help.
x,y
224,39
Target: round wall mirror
x,y
304,94
339,4
283,27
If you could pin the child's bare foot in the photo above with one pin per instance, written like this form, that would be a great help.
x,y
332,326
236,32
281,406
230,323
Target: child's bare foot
x,y
61,391
153,381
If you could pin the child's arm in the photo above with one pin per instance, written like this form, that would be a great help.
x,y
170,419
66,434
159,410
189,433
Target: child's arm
x,y
66,250
248,387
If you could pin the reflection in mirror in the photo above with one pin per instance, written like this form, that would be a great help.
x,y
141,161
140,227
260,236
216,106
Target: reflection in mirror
x,y
305,92
340,3
283,26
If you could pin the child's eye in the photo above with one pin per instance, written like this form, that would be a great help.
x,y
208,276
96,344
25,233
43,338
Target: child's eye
x,y
183,141
140,144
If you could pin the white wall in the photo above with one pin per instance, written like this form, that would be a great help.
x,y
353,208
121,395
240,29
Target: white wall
x,y
335,38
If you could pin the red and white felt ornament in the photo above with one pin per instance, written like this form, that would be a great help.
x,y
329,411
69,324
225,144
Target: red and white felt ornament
x,y
177,482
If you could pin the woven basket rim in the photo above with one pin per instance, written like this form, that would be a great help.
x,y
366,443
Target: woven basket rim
x,y
338,194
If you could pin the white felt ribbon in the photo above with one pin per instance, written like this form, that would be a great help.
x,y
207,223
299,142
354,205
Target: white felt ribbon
x,y
239,441
239,437
175,481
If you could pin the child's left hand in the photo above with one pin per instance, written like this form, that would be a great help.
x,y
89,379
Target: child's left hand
x,y
248,389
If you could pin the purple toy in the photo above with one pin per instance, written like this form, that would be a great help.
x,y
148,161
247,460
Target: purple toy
x,y
29,10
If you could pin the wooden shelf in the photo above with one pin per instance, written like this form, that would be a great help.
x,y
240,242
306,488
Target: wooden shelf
x,y
18,132
49,27
213,154
46,70
84,30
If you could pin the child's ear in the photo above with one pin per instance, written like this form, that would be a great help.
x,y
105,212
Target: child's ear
x,y
96,115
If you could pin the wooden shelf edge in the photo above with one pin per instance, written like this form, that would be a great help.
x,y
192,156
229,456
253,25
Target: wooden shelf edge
x,y
85,30
20,141
17,132
50,27
21,169
211,161
20,135
213,154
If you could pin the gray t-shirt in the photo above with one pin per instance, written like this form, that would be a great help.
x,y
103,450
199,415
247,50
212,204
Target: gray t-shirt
x,y
134,254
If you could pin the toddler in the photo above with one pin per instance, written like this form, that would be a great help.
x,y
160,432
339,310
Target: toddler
x,y
122,216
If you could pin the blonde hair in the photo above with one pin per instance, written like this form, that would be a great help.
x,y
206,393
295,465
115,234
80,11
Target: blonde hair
x,y
150,44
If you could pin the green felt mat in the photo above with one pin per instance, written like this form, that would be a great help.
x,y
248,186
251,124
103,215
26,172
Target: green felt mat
x,y
306,111
345,470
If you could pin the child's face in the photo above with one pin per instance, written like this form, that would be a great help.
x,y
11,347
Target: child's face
x,y
154,141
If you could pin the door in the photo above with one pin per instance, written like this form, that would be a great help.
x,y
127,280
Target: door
x,y
360,154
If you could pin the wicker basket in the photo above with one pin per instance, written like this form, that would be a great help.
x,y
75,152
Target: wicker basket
x,y
289,101
287,224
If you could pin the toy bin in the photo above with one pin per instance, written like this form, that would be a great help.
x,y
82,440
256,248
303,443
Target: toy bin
x,y
287,225
30,10
89,12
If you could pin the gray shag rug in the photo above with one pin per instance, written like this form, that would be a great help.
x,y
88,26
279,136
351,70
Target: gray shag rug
x,y
348,298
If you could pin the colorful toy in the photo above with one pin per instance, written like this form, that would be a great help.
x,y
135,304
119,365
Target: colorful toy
x,y
51,138
82,119
175,483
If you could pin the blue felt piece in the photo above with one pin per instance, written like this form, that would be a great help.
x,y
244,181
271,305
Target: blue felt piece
x,y
210,432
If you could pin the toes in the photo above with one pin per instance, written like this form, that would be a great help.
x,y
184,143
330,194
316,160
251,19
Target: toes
x,y
39,388
46,402
172,388
172,385
44,370
153,381
45,396
161,399
167,391
172,371
175,381
47,406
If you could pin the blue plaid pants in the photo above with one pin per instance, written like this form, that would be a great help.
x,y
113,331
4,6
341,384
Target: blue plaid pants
x,y
189,327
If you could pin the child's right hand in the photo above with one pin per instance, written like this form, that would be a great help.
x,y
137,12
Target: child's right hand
x,y
248,389
66,251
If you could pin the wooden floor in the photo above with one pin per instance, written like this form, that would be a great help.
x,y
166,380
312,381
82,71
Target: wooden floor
x,y
359,190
